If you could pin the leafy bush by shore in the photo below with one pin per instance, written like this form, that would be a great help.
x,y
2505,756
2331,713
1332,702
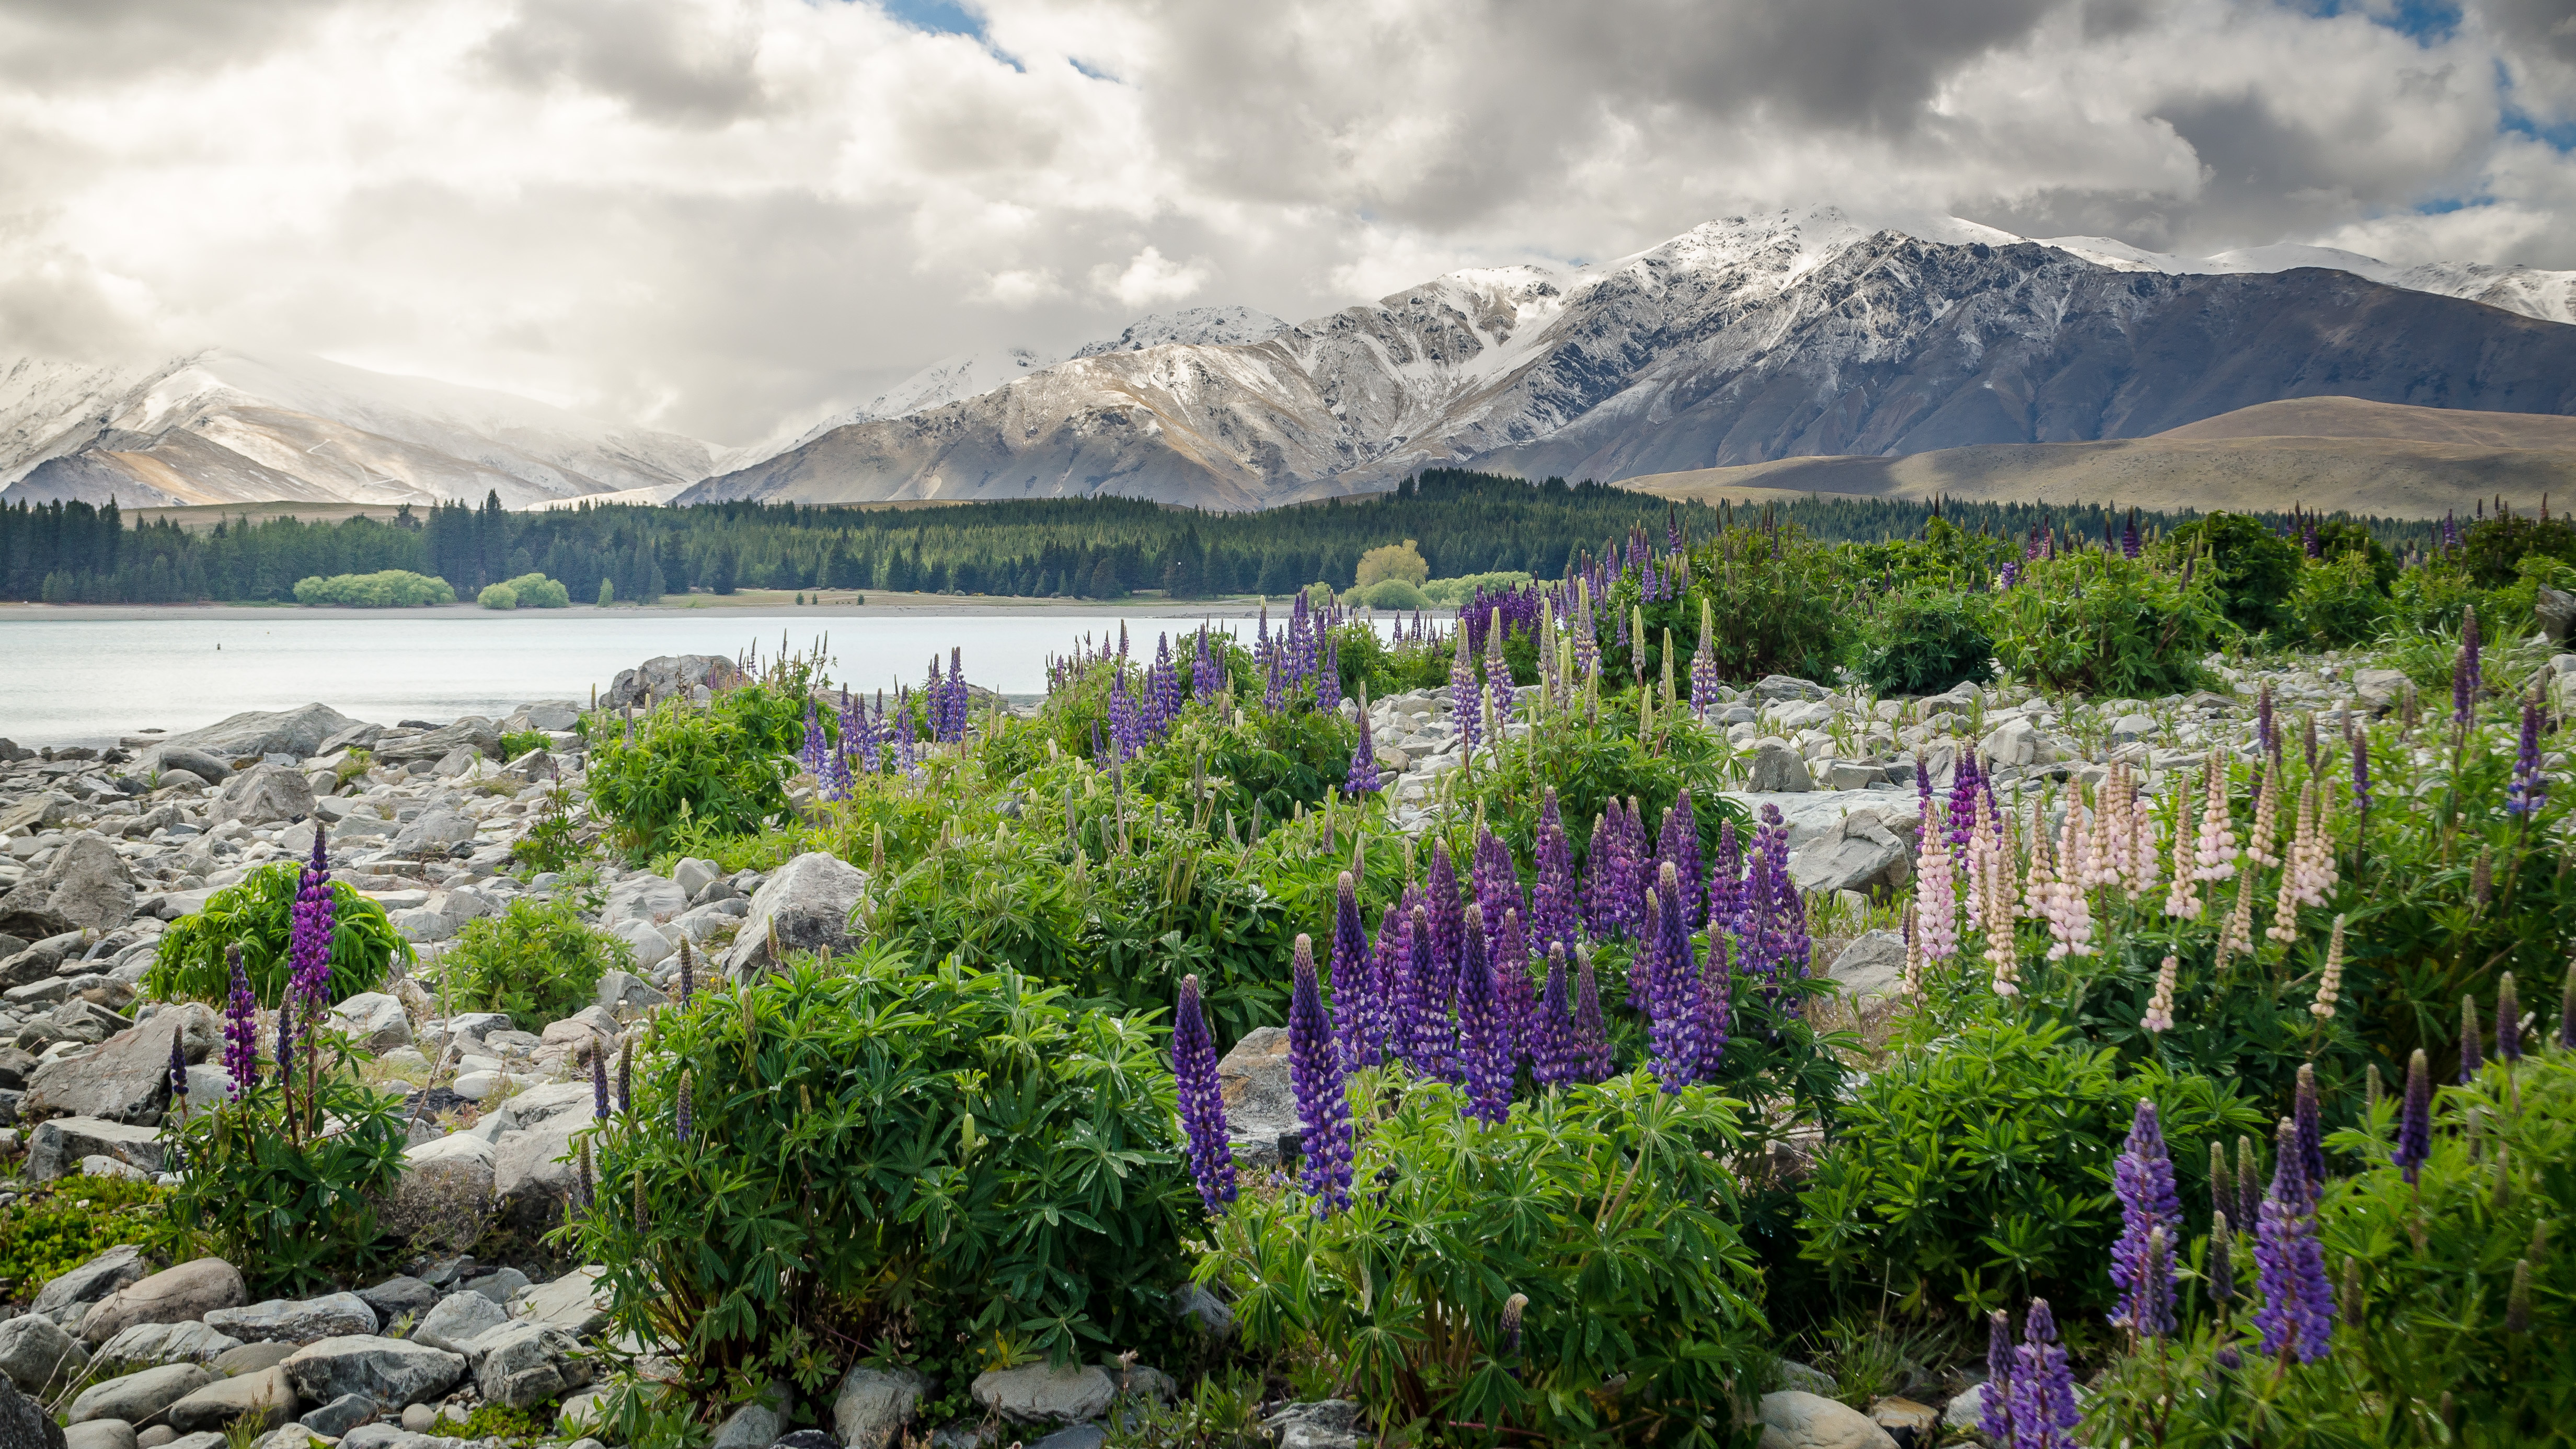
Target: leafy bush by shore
x,y
535,961
386,589
259,914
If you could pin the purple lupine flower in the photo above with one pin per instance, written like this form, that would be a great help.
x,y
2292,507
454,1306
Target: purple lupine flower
x,y
1675,983
1703,668
1466,697
1354,1003
1483,1055
683,1122
1601,877
1202,1100
1552,1029
1726,882
1323,1102
1996,1404
2043,1388
308,949
1552,896
1964,782
2361,772
2298,1312
2308,1120
1591,1033
241,1028
1448,928
1390,977
1363,778
2465,671
286,1039
906,760
2220,1267
1206,680
1514,1008
1712,1011
2529,788
598,1083
2267,733
1495,880
1328,680
954,725
178,1073
2143,1180
2129,538
812,755
626,1079
2415,1119
1679,843
1427,1037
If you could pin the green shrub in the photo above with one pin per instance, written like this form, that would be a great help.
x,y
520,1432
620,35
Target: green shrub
x,y
607,591
2254,568
259,915
1393,561
2430,598
884,1152
1450,593
536,591
2338,601
1779,605
389,589
1271,762
718,771
498,596
2337,537
1390,595
2494,547
2425,1349
554,842
293,1207
1924,640
1977,1169
535,960
1610,1207
2107,625
519,742
55,1227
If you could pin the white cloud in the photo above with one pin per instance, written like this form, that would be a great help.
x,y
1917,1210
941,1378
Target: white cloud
x,y
710,215
1150,279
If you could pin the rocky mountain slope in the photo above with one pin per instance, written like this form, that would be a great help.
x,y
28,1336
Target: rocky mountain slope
x,y
223,426
1744,340
2322,454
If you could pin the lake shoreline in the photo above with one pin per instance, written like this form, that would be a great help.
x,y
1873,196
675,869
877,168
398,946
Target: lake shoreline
x,y
765,601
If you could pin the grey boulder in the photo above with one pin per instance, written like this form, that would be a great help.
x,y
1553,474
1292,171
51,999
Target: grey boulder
x,y
532,1176
806,903
527,1363
1260,1100
472,732
872,1407
1859,856
263,795
24,1424
89,1282
1323,1424
149,1345
297,1320
1046,1394
393,1372
670,676
100,1434
444,1196
184,1294
1775,768
1794,1419
298,732
434,832
1872,967
204,765
457,1320
340,1415
265,1398
128,1078
86,886
37,1355
138,1396
373,1020
398,1296
574,1303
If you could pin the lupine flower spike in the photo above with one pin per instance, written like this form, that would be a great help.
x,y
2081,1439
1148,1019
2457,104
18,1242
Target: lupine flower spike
x,y
2471,1031
2159,1017
1996,1405
241,1027
2143,1180
2298,1313
2415,1119
2330,980
1202,1100
2508,1041
2043,1388
1323,1104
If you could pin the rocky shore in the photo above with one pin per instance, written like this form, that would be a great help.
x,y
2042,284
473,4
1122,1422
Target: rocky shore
x,y
101,850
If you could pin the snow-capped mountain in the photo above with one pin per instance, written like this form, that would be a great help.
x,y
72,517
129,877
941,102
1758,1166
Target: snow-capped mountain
x,y
953,379
223,426
1742,340
1217,326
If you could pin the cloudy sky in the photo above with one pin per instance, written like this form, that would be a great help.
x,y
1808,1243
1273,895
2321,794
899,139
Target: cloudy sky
x,y
722,217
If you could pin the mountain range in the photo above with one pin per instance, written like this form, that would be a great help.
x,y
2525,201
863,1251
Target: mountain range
x,y
1746,340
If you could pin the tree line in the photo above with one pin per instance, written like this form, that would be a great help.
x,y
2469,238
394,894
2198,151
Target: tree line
x,y
1462,522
